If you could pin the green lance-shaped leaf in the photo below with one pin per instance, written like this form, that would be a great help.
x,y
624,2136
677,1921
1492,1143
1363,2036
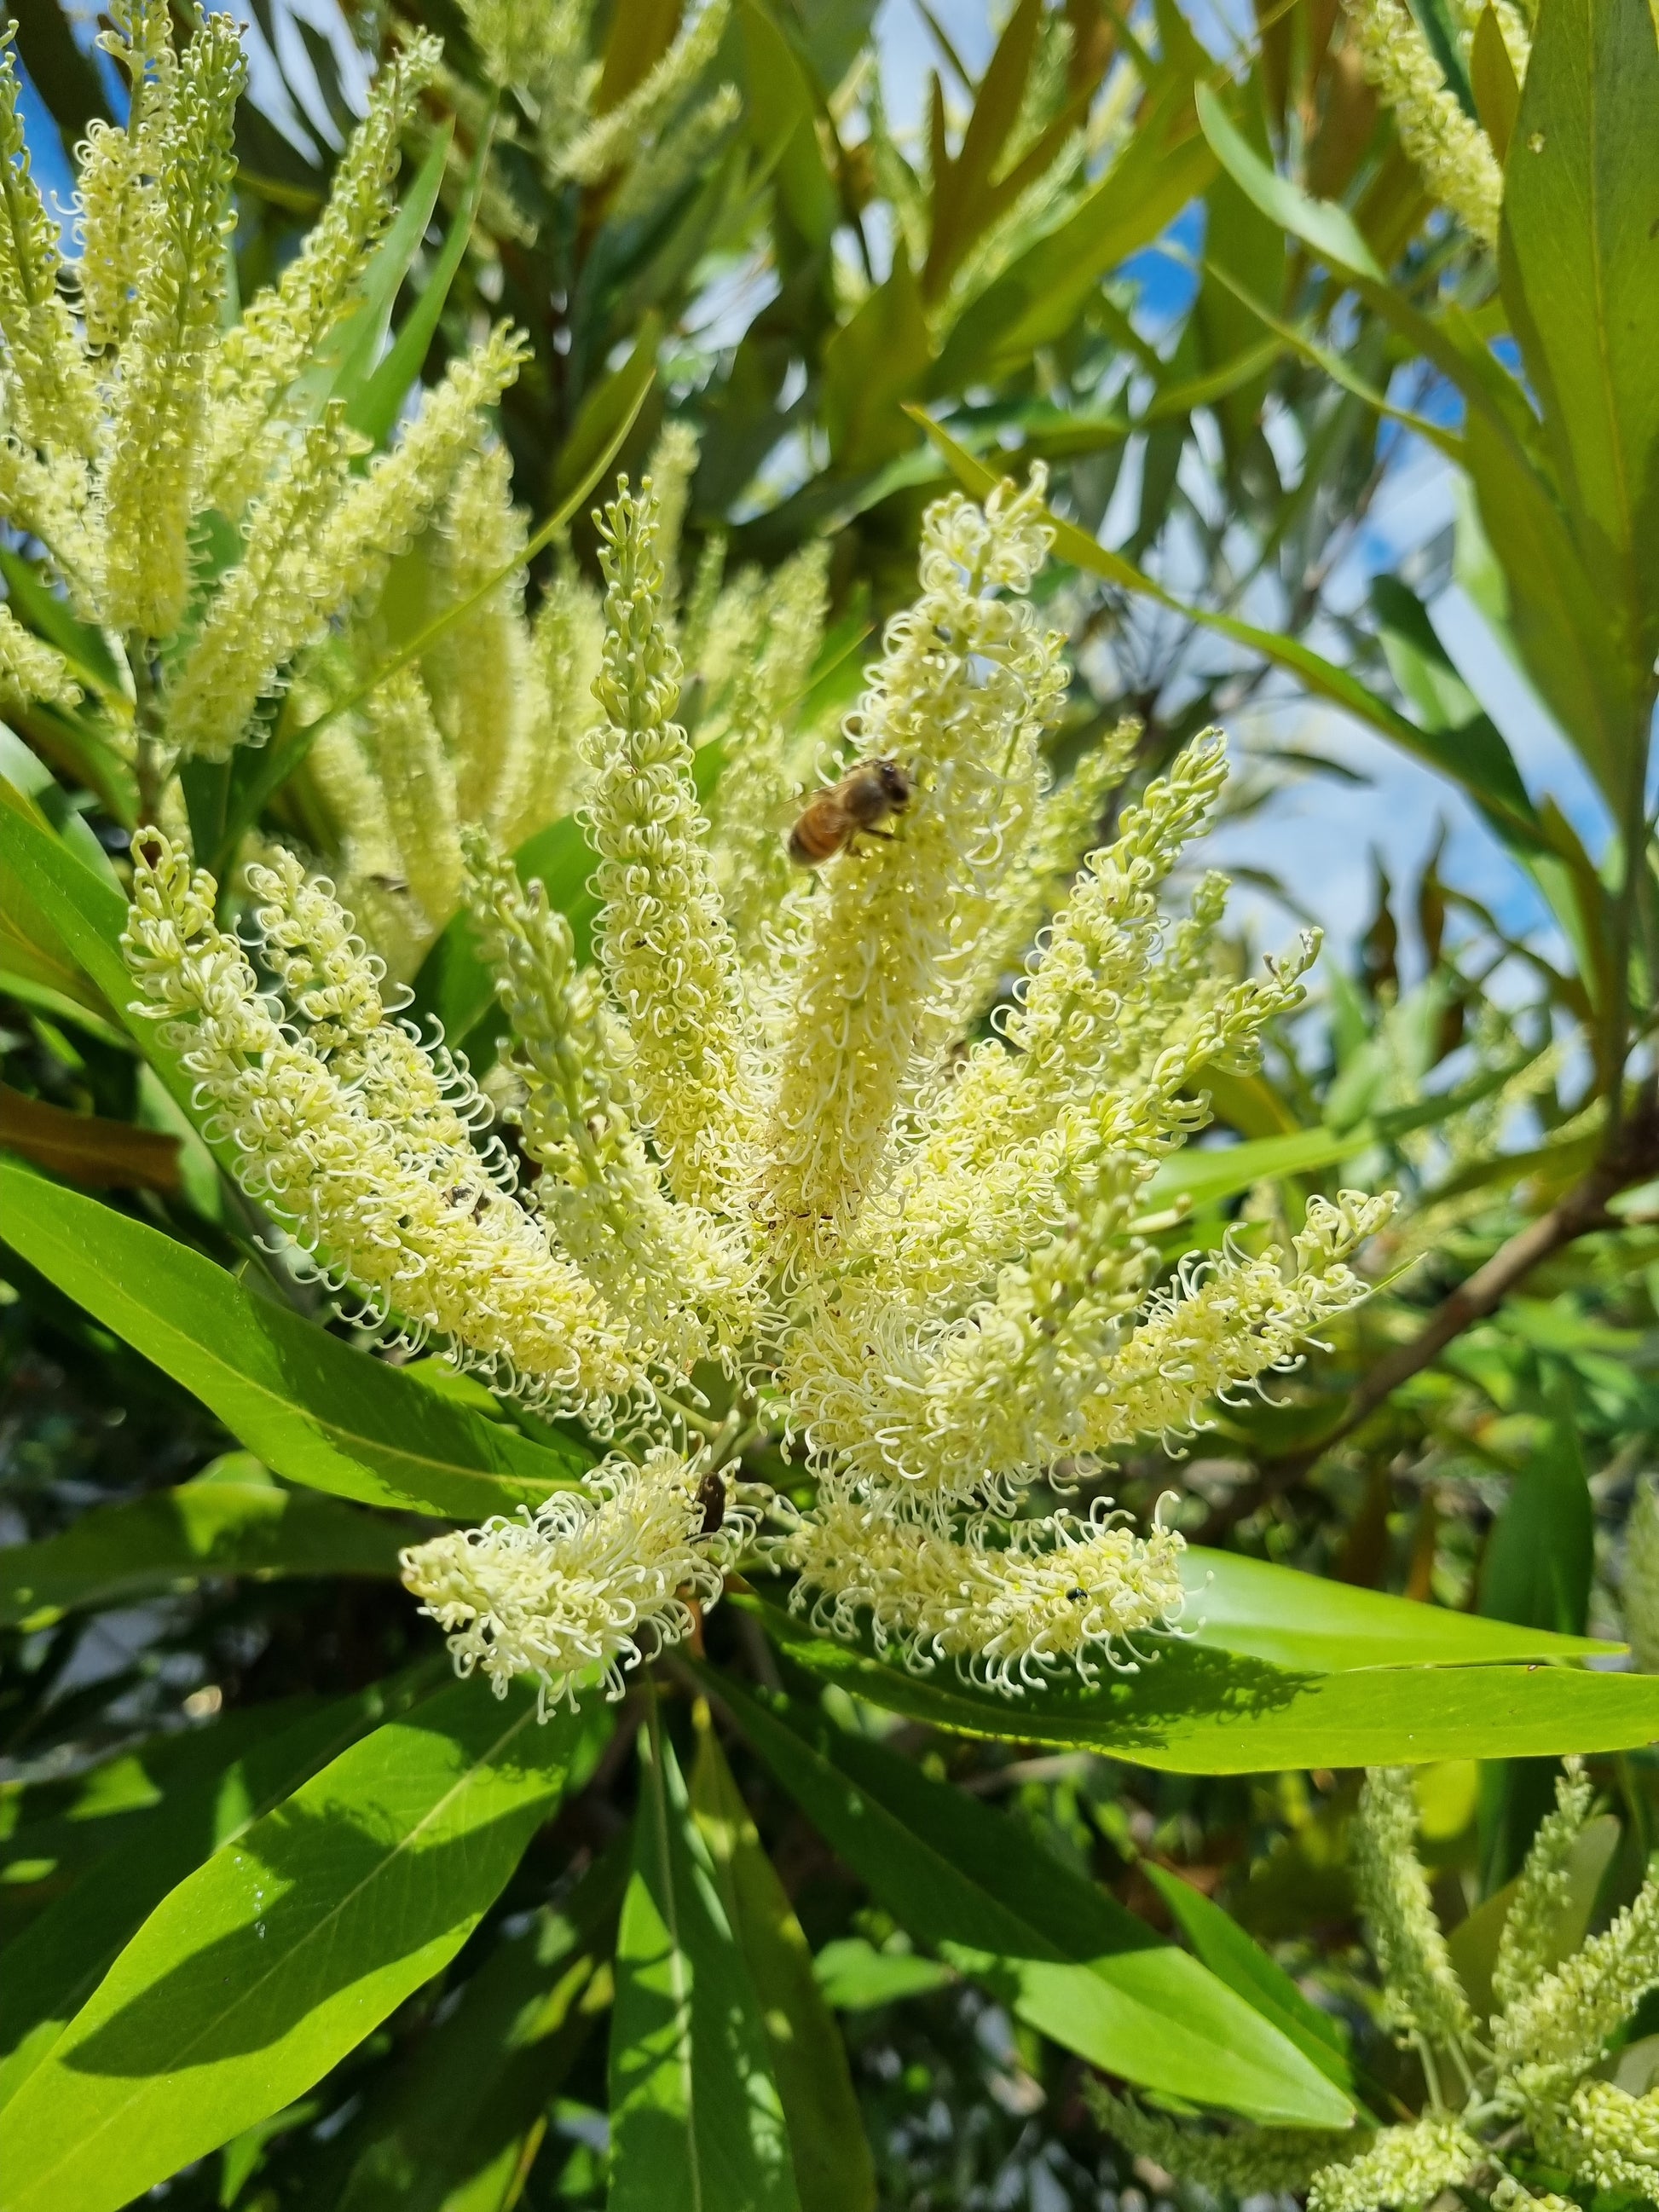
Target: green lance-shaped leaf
x,y
696,2118
1064,1956
59,1960
1199,1707
463,2117
276,1957
1579,262
312,1408
834,2170
232,1519
1235,1957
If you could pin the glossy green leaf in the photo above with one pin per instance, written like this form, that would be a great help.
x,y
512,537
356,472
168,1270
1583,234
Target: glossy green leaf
x,y
1492,81
781,117
1316,1626
855,1977
348,355
1205,1176
879,356
310,1406
1199,1708
1579,262
833,2168
1036,299
1541,1556
462,2117
696,2118
1331,233
607,414
276,1957
58,1960
1061,1953
233,1520
1236,1959
375,408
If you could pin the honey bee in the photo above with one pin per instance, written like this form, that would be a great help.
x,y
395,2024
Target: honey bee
x,y
863,798
711,1496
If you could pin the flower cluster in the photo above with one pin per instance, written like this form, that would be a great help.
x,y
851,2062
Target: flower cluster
x,y
600,1577
1453,153
781,1191
1530,2111
192,478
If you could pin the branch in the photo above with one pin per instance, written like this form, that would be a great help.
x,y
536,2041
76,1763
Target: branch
x,y
1632,1158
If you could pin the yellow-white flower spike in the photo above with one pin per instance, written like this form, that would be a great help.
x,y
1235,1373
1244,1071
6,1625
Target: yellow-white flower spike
x,y
624,131
664,943
381,515
265,608
1229,1321
476,672
49,389
1603,2136
967,672
1423,1995
1527,1946
673,465
418,1232
1106,936
601,1578
155,435
759,789
48,499
977,1189
418,781
30,668
1064,1592
681,1280
1560,2027
1452,152
686,147
116,194
330,984
116,210
1399,2168
544,772
282,327
1244,2161
1064,825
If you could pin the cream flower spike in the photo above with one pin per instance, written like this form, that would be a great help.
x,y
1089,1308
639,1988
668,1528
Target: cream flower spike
x,y
967,672
1062,1592
663,939
600,1578
420,1230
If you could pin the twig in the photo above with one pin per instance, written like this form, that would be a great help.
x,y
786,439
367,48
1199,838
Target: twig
x,y
1632,1158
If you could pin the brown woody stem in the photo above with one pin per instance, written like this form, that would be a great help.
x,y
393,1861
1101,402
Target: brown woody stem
x,y
1632,1158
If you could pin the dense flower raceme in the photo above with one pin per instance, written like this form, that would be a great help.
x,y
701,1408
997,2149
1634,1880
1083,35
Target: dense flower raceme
x,y
1517,2103
192,478
780,1155
1453,153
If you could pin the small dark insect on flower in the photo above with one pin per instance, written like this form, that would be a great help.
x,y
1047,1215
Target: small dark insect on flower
x,y
711,1496
1078,1596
